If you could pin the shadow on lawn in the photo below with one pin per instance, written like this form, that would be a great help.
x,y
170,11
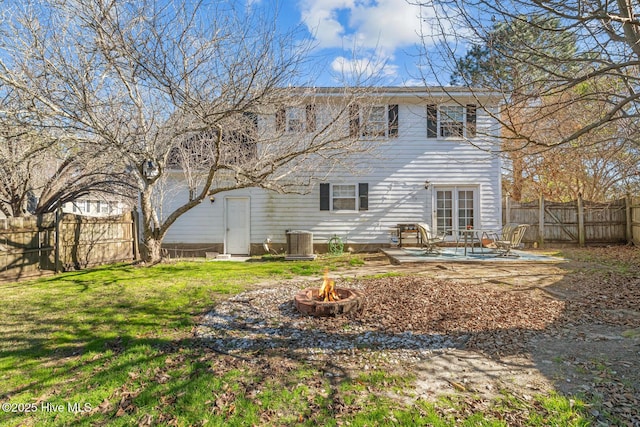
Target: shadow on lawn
x,y
580,348
583,345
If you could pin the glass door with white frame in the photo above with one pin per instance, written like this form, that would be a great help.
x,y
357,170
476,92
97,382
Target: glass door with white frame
x,y
455,209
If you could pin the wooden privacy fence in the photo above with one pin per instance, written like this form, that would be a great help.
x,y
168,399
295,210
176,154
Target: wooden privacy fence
x,y
55,242
576,223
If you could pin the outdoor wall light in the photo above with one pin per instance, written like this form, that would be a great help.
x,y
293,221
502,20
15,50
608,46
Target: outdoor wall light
x,y
426,184
212,199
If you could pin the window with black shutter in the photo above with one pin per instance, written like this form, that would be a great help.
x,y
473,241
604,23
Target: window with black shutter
x,y
354,120
393,121
363,195
471,120
281,119
311,118
432,121
325,197
344,197
451,121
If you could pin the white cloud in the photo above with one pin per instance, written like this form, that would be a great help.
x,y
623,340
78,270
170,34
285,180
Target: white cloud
x,y
375,32
384,25
362,69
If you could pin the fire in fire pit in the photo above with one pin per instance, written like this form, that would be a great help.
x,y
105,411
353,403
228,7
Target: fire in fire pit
x,y
327,291
328,300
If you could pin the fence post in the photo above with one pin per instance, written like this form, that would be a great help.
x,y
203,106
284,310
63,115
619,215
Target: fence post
x,y
507,206
628,202
541,222
135,224
581,230
56,249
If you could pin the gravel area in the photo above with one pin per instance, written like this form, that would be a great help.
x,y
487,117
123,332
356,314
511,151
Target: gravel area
x,y
266,319
406,319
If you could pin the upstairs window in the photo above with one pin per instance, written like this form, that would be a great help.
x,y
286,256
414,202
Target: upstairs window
x,y
451,121
296,119
201,149
375,124
378,121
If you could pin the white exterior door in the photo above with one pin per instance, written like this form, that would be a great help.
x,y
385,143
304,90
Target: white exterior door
x,y
237,221
455,209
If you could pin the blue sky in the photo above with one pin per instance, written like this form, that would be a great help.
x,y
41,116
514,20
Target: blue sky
x,y
373,36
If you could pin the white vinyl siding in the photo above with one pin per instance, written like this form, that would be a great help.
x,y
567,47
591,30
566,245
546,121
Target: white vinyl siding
x,y
396,173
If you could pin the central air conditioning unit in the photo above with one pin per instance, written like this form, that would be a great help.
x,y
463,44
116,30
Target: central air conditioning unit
x,y
299,245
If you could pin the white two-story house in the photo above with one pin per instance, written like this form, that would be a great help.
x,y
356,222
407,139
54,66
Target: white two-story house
x,y
436,161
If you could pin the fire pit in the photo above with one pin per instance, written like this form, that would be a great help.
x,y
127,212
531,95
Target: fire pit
x,y
328,300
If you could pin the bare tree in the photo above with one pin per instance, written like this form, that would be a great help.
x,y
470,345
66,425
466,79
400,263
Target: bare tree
x,y
172,88
41,168
591,48
567,72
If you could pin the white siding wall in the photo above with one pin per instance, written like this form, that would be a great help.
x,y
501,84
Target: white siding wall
x,y
397,193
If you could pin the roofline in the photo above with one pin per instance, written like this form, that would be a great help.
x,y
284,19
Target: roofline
x,y
401,91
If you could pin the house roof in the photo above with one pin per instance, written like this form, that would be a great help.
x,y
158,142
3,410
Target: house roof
x,y
405,92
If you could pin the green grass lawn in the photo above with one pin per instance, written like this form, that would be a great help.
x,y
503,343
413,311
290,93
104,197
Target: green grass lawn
x,y
114,346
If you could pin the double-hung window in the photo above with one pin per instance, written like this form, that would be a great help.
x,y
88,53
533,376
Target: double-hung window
x,y
378,121
375,122
344,197
451,121
296,119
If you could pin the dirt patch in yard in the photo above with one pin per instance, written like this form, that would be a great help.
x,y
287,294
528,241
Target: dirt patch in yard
x,y
469,329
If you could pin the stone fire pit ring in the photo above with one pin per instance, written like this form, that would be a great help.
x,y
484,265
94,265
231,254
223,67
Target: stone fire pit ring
x,y
307,302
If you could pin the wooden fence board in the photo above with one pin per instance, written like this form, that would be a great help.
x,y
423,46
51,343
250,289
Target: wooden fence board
x,y
565,223
635,220
27,245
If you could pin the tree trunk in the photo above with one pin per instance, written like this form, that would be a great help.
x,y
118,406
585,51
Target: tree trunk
x,y
518,179
153,250
152,234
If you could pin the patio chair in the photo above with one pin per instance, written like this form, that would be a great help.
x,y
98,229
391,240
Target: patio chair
x,y
511,239
429,240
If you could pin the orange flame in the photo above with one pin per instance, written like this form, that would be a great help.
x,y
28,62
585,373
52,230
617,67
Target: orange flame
x,y
327,291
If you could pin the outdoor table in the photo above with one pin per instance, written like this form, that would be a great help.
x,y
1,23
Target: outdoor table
x,y
470,236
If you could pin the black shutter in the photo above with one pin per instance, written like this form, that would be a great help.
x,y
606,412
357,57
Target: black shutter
x,y
471,120
311,118
363,194
281,119
324,197
432,121
354,120
393,121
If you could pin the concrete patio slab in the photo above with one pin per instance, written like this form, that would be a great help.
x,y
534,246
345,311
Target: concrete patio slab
x,y
450,254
